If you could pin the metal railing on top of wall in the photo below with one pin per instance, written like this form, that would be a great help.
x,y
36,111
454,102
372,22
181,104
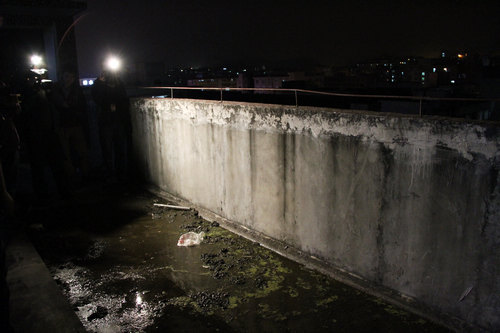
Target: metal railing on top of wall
x,y
296,92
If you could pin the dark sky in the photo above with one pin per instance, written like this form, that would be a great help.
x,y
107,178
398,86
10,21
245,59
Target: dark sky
x,y
201,33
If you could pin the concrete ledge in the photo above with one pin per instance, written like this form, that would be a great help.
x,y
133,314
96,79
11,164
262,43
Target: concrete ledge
x,y
36,302
411,204
322,266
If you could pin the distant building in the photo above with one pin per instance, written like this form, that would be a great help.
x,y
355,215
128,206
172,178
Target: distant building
x,y
273,81
245,80
305,79
217,82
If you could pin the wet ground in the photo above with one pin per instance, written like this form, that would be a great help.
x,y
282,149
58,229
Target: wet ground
x,y
115,257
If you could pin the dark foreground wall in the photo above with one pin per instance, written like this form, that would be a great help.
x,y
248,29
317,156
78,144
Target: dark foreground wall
x,y
412,204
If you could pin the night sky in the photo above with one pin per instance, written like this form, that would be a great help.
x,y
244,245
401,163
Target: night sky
x,y
335,32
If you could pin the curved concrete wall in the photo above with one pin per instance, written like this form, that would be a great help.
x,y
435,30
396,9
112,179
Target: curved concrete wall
x,y
412,204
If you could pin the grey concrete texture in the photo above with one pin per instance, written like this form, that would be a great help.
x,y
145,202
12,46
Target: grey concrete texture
x,y
36,303
407,203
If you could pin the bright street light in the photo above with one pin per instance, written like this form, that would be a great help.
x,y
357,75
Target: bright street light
x,y
113,64
36,60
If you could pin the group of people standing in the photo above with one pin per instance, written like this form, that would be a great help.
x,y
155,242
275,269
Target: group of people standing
x,y
48,126
51,124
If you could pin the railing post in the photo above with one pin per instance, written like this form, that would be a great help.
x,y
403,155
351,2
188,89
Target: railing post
x,y
296,99
420,108
171,92
221,95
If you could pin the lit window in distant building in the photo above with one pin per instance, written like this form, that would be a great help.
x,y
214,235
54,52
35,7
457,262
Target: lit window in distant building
x,y
460,56
423,78
402,73
91,82
445,69
434,70
443,54
423,73
85,82
452,81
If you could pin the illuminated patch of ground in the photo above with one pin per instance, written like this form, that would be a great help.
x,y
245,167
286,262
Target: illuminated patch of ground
x,y
116,259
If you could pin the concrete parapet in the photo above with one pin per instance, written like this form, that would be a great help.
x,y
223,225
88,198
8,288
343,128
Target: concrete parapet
x,y
411,204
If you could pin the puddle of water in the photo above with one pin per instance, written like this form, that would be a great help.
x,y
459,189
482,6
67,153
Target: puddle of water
x,y
123,271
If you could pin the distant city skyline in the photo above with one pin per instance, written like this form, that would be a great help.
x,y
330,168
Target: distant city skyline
x,y
196,33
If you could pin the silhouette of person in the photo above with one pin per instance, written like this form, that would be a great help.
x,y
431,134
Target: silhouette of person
x,y
9,137
71,107
112,102
39,134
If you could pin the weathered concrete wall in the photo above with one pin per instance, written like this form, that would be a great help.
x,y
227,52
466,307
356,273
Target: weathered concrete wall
x,y
408,203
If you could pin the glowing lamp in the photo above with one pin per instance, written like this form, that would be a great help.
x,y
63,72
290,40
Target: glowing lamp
x,y
113,64
36,60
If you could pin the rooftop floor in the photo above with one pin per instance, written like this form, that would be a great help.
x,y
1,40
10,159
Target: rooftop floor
x,y
115,258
